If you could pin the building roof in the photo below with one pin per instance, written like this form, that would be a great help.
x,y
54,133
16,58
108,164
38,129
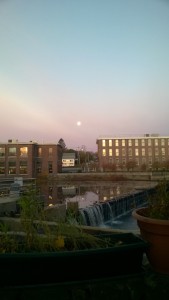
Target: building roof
x,y
68,155
144,136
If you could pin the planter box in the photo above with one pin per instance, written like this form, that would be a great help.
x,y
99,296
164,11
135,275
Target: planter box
x,y
56,267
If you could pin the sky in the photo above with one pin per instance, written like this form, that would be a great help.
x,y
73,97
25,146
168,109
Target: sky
x,y
80,70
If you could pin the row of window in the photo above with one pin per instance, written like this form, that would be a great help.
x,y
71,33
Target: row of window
x,y
13,163
23,167
136,152
13,150
138,162
23,151
50,151
135,142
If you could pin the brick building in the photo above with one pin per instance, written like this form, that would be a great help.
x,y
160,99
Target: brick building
x,y
29,159
148,151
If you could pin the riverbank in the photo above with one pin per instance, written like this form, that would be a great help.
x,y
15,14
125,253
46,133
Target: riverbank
x,y
108,176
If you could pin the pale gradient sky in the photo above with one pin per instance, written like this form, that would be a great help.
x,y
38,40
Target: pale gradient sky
x,y
102,62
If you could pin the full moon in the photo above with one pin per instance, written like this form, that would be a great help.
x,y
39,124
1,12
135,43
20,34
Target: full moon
x,y
79,123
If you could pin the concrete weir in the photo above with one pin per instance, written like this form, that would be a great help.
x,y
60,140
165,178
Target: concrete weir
x,y
8,205
103,212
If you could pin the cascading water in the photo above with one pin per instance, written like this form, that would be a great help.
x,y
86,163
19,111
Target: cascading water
x,y
101,213
92,215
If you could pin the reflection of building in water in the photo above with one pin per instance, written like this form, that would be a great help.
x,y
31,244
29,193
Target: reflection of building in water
x,y
86,194
52,194
88,199
69,190
109,192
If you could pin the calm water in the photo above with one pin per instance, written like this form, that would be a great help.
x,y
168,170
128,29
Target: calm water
x,y
89,194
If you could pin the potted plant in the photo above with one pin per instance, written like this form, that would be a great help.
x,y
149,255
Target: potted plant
x,y
153,222
37,252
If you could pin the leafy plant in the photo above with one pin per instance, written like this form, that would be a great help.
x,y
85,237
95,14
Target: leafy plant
x,y
37,234
158,207
7,244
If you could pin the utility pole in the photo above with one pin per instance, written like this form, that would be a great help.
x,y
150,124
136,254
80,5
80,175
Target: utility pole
x,y
78,154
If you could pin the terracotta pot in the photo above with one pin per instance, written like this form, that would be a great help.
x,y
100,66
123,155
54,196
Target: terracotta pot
x,y
156,233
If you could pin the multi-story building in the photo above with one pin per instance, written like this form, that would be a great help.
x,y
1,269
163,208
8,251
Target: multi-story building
x,y
29,159
140,152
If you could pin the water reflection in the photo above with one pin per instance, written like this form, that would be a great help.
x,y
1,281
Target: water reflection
x,y
87,194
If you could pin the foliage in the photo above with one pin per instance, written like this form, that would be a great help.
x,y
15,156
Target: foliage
x,y
143,167
156,165
7,244
158,207
130,165
39,235
61,142
109,167
166,164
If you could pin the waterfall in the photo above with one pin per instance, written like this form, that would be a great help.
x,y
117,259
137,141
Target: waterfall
x,y
92,215
100,213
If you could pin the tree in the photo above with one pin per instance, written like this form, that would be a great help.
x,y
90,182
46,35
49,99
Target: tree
x,y
131,164
143,167
166,164
156,165
109,167
62,144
